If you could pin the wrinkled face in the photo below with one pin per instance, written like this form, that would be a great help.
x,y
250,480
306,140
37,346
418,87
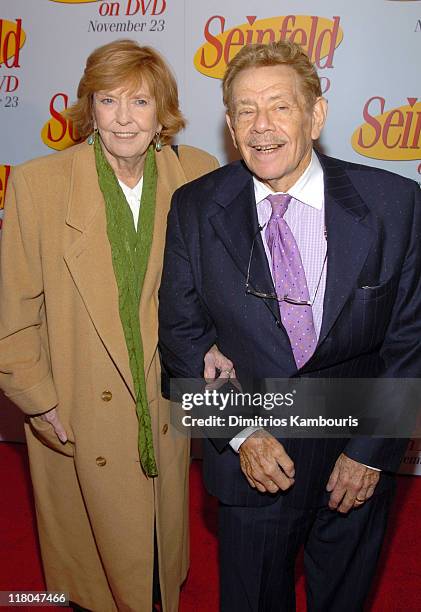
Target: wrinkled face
x,y
272,124
127,123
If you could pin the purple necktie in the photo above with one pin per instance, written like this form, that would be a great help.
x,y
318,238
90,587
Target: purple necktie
x,y
290,281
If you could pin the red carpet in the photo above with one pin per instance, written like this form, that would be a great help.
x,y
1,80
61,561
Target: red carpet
x,y
397,588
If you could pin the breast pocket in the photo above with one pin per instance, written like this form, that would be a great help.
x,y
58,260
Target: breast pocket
x,y
370,293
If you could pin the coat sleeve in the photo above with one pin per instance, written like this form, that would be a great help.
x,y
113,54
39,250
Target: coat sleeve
x,y
25,372
401,352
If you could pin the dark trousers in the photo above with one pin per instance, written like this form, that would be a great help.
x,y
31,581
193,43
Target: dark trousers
x,y
258,549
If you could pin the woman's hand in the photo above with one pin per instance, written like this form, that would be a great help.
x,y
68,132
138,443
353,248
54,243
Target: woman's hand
x,y
52,417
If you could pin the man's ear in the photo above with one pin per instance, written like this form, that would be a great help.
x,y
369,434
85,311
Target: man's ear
x,y
231,129
319,114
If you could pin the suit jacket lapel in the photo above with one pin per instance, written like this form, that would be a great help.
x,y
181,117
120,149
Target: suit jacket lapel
x,y
236,224
349,238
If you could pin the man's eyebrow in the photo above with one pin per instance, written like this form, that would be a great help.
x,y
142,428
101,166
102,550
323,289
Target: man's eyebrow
x,y
274,98
245,101
280,96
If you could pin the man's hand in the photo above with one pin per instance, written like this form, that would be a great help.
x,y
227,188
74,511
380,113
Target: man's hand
x,y
218,368
214,361
350,484
52,417
265,463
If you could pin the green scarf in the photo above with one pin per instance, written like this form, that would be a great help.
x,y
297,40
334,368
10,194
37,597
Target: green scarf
x,y
130,253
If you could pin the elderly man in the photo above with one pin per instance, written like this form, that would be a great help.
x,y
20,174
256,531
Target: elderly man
x,y
339,246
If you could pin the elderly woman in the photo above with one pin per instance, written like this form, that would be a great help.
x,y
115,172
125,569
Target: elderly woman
x,y
81,257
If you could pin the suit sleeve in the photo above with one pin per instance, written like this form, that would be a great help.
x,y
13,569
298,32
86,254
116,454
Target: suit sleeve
x,y
25,373
401,350
186,331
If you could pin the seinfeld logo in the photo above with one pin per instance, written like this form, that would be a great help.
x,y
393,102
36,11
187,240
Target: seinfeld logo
x,y
390,135
318,36
131,7
4,175
12,39
74,1
58,133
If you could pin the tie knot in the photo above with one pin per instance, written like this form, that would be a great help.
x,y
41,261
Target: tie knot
x,y
279,203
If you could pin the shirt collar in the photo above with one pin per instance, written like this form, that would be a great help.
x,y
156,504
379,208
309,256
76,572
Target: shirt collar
x,y
309,188
134,192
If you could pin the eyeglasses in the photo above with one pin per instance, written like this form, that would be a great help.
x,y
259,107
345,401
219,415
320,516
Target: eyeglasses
x,y
272,296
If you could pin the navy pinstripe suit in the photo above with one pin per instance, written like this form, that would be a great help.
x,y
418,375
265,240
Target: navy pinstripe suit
x,y
373,222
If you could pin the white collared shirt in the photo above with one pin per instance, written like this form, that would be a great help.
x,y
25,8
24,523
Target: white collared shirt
x,y
133,196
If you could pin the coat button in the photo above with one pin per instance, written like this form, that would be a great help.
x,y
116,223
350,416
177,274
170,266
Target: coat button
x,y
106,396
165,429
100,461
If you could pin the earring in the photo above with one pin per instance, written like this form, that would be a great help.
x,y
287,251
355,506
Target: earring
x,y
158,143
91,138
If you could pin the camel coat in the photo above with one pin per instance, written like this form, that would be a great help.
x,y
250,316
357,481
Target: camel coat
x,y
62,344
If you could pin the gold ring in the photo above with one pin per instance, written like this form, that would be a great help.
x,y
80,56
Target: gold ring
x,y
360,501
228,371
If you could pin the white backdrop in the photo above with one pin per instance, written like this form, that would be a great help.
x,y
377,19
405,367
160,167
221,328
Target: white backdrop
x,y
367,53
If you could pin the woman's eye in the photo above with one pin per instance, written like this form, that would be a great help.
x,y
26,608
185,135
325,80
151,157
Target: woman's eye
x,y
106,100
140,102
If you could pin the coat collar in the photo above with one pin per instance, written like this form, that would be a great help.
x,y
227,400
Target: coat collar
x,y
85,196
89,256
